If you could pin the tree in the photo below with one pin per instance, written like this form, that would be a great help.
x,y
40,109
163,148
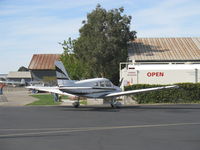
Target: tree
x,y
103,42
74,66
22,68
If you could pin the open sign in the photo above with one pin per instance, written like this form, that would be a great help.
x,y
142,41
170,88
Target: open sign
x,y
155,74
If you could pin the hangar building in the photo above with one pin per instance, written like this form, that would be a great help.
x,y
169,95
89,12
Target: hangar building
x,y
43,69
162,61
18,76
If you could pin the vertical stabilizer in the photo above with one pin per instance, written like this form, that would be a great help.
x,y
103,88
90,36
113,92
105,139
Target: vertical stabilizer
x,y
62,75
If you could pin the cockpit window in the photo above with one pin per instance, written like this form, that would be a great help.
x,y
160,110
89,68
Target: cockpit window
x,y
96,84
108,84
102,84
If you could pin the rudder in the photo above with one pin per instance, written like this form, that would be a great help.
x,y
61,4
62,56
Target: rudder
x,y
63,78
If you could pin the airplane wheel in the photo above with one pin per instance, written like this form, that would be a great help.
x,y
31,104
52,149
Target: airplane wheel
x,y
76,104
112,105
116,105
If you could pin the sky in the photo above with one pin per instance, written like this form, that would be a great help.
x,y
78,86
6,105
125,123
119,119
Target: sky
x,y
30,27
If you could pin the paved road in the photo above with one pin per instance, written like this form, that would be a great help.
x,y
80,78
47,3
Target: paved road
x,y
100,128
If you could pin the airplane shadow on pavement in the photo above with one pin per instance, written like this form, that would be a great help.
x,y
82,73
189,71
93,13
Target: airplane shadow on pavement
x,y
133,108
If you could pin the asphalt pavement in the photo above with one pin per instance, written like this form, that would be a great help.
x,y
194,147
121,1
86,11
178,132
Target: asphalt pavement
x,y
152,127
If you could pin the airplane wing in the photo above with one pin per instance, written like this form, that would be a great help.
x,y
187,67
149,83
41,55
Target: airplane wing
x,y
54,89
75,88
139,91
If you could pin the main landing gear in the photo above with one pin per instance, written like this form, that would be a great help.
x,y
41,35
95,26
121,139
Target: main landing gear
x,y
76,104
115,104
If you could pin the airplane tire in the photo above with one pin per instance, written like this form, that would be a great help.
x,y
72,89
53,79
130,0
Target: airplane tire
x,y
112,105
116,105
76,104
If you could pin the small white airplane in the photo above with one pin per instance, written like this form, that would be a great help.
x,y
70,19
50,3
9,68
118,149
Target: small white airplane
x,y
89,88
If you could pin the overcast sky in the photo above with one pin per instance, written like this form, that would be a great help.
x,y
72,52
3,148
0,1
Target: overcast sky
x,y
30,27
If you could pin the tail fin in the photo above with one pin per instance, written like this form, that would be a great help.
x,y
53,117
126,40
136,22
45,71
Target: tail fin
x,y
61,74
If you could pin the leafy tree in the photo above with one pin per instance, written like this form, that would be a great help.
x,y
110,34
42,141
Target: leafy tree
x,y
74,66
68,46
103,42
22,68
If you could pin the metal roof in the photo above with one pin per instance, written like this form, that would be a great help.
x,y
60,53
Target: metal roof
x,y
162,49
19,74
43,61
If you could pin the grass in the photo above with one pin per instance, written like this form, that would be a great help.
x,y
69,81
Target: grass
x,y
83,102
44,99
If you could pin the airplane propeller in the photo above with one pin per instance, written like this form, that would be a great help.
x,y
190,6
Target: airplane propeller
x,y
120,83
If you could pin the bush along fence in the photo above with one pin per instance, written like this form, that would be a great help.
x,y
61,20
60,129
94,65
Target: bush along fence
x,y
186,93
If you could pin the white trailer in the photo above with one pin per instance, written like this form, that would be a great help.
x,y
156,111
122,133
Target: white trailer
x,y
159,73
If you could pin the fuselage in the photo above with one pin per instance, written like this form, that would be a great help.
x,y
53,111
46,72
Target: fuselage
x,y
91,88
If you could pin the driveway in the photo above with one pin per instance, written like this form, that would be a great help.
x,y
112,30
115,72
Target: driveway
x,y
15,96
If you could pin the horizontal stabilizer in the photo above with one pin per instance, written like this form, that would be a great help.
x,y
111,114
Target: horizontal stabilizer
x,y
50,90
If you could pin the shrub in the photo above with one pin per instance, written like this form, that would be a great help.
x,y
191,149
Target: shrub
x,y
186,93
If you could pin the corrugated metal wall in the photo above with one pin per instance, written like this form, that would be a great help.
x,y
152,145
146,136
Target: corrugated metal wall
x,y
43,61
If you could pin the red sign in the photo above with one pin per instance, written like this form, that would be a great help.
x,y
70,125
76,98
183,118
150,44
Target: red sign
x,y
155,74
